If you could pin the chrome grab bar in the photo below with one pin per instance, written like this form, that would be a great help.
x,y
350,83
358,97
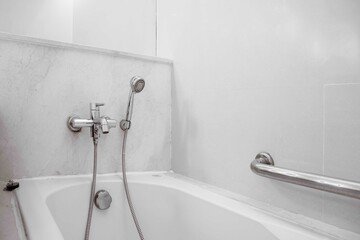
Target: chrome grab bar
x,y
263,165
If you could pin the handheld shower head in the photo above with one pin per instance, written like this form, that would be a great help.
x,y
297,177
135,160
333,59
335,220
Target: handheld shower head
x,y
137,84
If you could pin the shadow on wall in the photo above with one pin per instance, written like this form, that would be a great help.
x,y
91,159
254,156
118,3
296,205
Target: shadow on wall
x,y
186,128
8,153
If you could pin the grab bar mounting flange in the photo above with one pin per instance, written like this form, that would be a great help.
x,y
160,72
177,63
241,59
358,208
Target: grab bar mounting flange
x,y
265,158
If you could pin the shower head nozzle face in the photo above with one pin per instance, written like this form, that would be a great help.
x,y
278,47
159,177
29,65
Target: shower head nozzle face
x,y
137,84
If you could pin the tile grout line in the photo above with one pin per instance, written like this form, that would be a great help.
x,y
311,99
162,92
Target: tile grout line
x,y
156,27
323,131
323,150
340,84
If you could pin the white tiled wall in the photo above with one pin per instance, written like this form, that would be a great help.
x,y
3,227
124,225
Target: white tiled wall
x,y
341,147
43,83
249,76
124,25
49,19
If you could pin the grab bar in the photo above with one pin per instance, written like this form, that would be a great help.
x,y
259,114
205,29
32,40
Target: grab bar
x,y
263,165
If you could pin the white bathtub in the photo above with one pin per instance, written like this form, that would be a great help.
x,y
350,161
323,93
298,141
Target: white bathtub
x,y
169,207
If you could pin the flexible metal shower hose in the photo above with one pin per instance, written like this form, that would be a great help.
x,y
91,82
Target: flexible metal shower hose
x,y
127,188
93,185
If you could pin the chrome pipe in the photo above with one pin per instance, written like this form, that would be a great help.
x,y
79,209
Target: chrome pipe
x,y
111,122
79,123
263,165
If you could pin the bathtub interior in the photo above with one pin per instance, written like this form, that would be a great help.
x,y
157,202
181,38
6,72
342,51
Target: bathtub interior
x,y
174,216
69,207
164,213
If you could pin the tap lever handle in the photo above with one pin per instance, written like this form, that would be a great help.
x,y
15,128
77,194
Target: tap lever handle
x,y
95,106
95,110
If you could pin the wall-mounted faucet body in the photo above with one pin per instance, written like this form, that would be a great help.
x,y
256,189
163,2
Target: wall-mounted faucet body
x,y
95,123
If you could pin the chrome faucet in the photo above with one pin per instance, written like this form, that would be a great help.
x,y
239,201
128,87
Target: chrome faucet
x,y
96,123
99,122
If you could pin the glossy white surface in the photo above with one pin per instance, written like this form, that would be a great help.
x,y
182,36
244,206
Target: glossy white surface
x,y
124,25
249,77
44,82
47,19
168,207
341,141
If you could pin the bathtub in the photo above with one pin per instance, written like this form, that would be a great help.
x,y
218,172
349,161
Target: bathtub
x,y
168,206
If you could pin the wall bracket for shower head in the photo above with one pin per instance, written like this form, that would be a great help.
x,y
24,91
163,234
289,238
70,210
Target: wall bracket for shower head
x,y
125,124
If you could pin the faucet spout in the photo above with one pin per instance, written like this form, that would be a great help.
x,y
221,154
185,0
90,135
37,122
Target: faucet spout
x,y
104,125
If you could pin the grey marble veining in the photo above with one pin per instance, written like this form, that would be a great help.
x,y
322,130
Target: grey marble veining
x,y
43,82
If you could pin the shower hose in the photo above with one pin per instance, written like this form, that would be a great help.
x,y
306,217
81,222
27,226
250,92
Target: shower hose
x,y
93,185
138,228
